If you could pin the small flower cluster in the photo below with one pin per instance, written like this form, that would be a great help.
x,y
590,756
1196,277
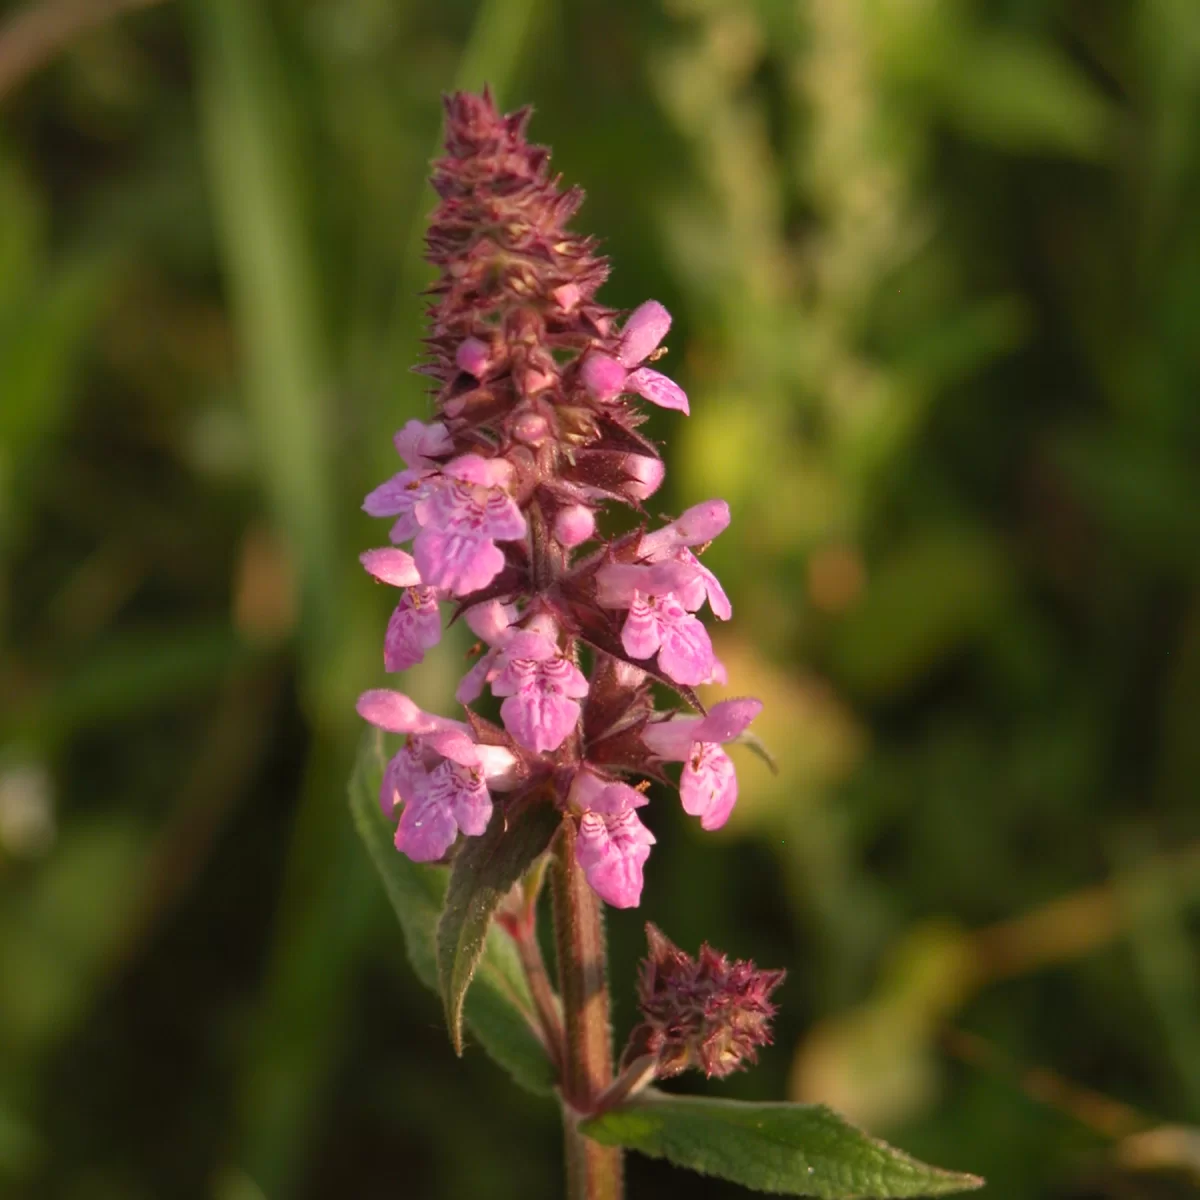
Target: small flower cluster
x,y
705,1012
536,432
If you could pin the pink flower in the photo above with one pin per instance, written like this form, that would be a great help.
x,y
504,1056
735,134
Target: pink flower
x,y
414,628
542,690
660,625
461,518
606,378
442,776
708,784
613,844
416,624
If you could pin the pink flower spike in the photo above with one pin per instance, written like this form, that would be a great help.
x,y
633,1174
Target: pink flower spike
x,y
574,525
612,850
417,443
472,356
658,389
415,626
647,326
390,565
708,785
602,376
397,713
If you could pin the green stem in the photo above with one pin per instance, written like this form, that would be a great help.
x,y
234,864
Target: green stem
x,y
593,1171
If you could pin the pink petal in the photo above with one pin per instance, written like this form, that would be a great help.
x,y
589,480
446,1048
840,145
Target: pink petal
x,y
459,563
415,626
416,443
686,654
427,827
402,777
672,739
397,496
708,785
658,389
470,687
699,524
463,792
647,326
389,565
602,376
640,635
592,791
530,644
728,719
612,851
396,713
485,472
540,720
405,527
618,583
490,620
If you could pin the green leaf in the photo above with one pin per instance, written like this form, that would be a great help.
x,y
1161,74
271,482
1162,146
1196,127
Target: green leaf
x,y
499,1010
788,1149
484,871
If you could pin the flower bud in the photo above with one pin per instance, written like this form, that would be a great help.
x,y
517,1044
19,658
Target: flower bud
x,y
708,1013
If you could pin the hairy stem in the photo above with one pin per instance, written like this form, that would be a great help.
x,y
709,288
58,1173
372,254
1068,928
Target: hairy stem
x,y
593,1171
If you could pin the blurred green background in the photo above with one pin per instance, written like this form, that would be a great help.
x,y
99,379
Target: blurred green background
x,y
935,266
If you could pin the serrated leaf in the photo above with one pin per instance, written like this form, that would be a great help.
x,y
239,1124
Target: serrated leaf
x,y
499,1010
786,1149
484,871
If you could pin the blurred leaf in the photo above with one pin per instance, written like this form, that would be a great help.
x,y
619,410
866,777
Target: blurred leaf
x,y
921,604
55,937
498,1009
128,674
786,1149
877,1063
483,872
1023,95
256,188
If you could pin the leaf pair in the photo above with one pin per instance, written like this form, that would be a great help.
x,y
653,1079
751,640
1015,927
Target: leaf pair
x,y
787,1149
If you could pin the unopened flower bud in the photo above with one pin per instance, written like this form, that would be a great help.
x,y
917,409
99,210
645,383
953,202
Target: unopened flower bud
x,y
574,525
473,357
707,1012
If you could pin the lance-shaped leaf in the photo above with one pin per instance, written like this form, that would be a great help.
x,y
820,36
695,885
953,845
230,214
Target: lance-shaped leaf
x,y
787,1149
499,1010
484,871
